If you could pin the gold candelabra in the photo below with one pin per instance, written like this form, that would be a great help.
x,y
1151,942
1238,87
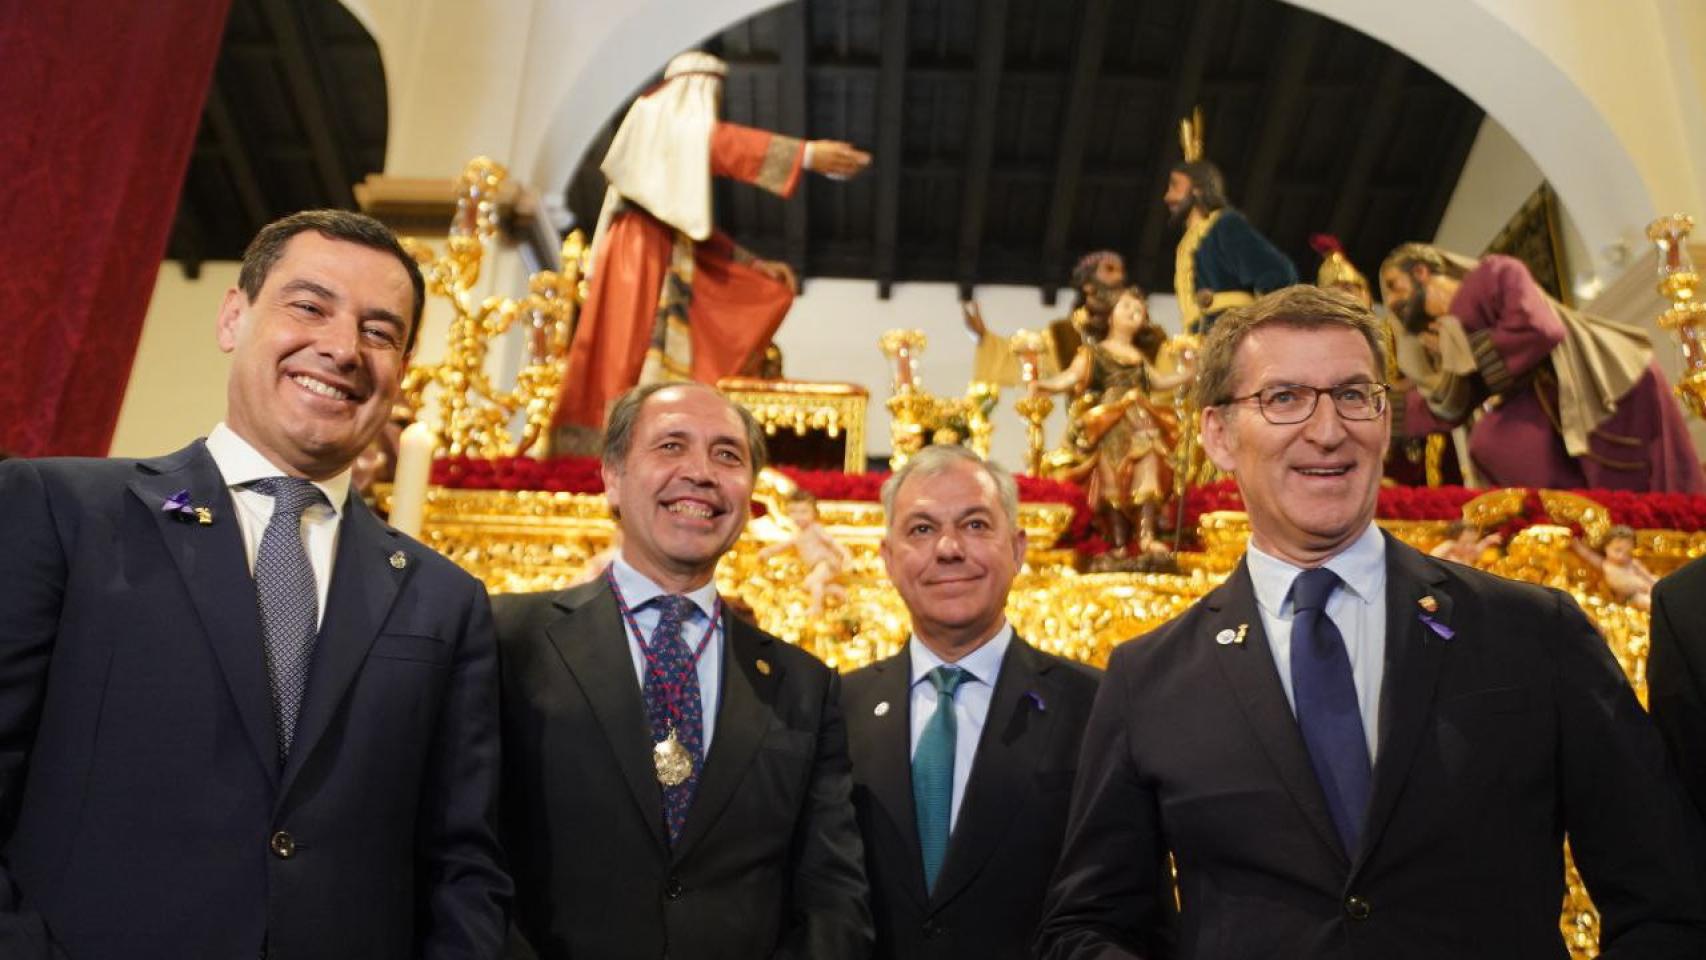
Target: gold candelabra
x,y
1679,283
1027,346
919,418
474,415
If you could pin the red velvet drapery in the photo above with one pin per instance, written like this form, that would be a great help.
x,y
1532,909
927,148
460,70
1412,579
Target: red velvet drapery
x,y
99,103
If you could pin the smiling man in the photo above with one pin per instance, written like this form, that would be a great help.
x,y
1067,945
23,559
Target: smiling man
x,y
676,780
239,716
1349,741
963,743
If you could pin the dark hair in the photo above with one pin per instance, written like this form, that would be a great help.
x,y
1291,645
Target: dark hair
x,y
1206,182
625,413
1084,270
1303,306
268,246
1621,531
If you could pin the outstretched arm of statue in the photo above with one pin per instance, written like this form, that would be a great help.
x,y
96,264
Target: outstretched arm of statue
x,y
1069,379
835,159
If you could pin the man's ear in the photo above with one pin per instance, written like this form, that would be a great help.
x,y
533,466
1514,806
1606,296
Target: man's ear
x,y
612,478
1217,438
231,311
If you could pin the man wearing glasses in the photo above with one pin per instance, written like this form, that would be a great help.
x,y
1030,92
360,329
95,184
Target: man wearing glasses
x,y
1350,749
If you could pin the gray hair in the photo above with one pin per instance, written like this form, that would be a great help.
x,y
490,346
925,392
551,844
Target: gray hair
x,y
939,457
625,413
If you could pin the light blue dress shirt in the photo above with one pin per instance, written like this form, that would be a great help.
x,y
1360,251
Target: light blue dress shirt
x,y
638,590
1357,608
971,702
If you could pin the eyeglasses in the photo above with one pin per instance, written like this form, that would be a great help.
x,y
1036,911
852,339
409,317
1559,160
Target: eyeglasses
x,y
1287,403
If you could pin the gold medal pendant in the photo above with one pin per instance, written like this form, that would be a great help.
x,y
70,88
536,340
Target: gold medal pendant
x,y
672,761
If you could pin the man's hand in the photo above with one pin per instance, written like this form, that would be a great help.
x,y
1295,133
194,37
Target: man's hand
x,y
835,159
778,271
974,319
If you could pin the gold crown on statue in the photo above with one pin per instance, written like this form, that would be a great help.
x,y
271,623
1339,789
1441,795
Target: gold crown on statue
x,y
1191,135
1336,268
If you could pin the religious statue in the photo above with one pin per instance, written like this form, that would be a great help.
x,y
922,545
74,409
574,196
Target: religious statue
x,y
1628,580
1097,280
824,557
1123,435
1465,544
670,297
1554,397
1222,261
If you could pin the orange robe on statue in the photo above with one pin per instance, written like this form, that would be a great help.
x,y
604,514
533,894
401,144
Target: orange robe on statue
x,y
732,309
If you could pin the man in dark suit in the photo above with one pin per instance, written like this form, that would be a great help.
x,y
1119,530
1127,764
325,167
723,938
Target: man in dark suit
x,y
1351,749
676,780
961,788
201,761
1676,673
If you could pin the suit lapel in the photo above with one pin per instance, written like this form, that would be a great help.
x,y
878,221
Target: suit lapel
x,y
743,712
890,771
1014,734
1249,668
216,575
1413,656
364,585
593,642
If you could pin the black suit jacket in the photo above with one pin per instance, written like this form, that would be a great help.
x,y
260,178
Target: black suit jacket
x,y
141,803
768,864
1493,743
1676,673
1007,838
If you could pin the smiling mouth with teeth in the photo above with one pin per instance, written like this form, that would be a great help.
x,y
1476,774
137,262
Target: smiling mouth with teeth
x,y
320,389
690,509
1323,471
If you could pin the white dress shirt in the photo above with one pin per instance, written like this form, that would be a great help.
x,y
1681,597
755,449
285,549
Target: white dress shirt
x,y
971,702
637,591
240,464
1357,608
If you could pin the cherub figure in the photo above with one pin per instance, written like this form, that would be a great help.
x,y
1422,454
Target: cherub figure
x,y
1628,581
823,556
1464,544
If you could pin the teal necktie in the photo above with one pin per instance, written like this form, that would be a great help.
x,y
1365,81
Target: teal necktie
x,y
933,772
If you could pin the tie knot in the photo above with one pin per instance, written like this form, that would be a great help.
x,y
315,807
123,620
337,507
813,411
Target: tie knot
x,y
947,679
673,608
1312,588
290,495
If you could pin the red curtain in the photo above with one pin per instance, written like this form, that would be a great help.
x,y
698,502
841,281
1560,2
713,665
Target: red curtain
x,y
99,113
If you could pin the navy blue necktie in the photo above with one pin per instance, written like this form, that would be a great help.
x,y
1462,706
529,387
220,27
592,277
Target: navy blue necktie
x,y
289,600
671,693
1327,711
933,773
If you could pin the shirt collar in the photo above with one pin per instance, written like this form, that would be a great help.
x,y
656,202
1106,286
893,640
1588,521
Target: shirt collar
x,y
982,664
639,590
1362,567
240,464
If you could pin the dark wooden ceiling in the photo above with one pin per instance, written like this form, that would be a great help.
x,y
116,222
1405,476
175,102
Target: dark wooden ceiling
x,y
1013,135
1010,135
295,116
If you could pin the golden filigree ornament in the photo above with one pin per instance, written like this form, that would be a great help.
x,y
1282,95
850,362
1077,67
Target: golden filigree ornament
x,y
474,413
671,761
1679,282
919,418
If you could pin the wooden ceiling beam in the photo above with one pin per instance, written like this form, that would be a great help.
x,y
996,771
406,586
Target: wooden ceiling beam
x,y
890,153
1280,112
234,150
1450,168
1187,89
1074,138
796,39
285,22
1371,139
980,149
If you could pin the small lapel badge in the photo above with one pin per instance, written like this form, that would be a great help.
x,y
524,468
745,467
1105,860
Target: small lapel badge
x,y
1228,636
204,516
882,709
399,560
1429,604
763,667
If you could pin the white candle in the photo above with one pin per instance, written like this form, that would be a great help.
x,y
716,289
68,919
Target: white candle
x,y
414,471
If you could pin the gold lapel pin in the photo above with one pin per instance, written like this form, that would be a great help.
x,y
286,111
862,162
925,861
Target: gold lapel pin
x,y
764,667
399,560
1225,637
1428,603
204,516
882,709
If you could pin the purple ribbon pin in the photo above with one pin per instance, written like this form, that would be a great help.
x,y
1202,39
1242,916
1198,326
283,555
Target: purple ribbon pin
x,y
178,504
1441,630
1036,699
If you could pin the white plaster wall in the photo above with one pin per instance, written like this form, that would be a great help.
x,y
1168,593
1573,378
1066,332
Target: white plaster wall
x,y
177,384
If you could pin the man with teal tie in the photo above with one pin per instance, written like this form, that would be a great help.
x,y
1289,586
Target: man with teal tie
x,y
963,743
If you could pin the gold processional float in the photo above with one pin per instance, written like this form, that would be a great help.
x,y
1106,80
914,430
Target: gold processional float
x,y
519,540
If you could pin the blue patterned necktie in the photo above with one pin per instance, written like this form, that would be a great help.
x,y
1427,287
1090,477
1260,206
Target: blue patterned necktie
x,y
289,600
672,702
1327,711
933,773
